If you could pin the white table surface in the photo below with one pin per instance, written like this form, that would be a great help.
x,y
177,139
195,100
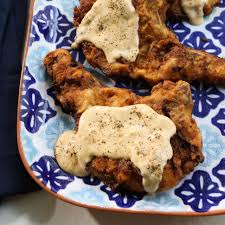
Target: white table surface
x,y
41,208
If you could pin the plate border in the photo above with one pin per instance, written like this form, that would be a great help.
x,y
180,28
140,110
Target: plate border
x,y
31,173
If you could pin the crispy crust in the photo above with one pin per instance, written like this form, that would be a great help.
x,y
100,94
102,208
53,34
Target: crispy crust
x,y
78,90
161,56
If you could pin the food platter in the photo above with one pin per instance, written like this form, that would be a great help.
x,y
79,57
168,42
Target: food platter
x,y
41,121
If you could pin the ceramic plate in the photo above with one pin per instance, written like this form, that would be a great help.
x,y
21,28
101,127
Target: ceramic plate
x,y
41,121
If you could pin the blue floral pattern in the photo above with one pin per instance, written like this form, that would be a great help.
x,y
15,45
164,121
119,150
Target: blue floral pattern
x,y
52,24
78,56
198,41
91,180
121,199
51,92
35,111
28,79
217,28
33,35
52,27
200,192
205,99
222,3
138,87
48,171
66,43
180,29
219,171
219,121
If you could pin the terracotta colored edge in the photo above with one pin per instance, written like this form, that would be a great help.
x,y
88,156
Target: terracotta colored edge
x,y
26,165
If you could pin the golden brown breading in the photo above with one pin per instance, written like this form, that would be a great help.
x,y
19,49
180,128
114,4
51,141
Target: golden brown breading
x,y
78,90
161,56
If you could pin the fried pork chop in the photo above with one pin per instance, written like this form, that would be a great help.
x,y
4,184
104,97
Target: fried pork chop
x,y
161,56
78,90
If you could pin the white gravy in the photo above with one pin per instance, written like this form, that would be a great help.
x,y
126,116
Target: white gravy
x,y
134,132
111,25
194,10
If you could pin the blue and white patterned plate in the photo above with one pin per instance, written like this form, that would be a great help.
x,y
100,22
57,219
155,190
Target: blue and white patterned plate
x,y
41,121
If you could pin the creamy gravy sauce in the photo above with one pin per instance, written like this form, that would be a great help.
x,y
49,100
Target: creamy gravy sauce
x,y
194,10
134,132
111,25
